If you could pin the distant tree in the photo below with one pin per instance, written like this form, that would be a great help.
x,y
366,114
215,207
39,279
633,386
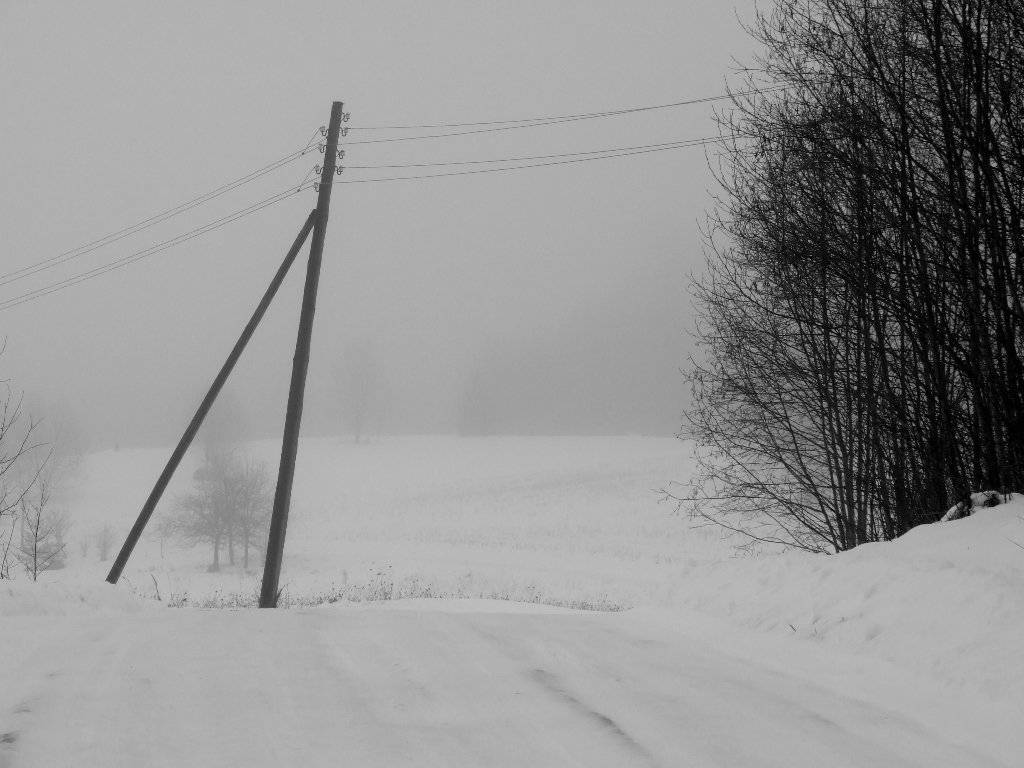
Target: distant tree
x,y
7,557
363,389
203,515
48,471
41,546
105,539
482,406
228,508
19,472
254,498
17,441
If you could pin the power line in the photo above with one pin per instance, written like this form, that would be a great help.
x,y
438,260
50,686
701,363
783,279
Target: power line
x,y
152,221
691,143
513,125
503,125
74,253
553,121
312,138
309,173
663,145
138,255
582,116
568,158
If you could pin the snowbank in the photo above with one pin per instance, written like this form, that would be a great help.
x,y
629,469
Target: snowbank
x,y
945,600
26,598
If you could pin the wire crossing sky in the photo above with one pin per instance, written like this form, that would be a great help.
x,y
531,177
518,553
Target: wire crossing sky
x,y
528,122
474,243
556,159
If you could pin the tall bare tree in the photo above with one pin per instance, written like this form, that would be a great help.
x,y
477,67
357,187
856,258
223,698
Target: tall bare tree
x,y
862,311
363,389
42,533
19,472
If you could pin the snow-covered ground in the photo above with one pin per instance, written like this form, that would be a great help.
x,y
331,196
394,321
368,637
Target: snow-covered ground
x,y
898,654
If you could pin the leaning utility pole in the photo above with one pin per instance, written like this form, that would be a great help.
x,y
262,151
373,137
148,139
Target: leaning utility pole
x,y
197,421
300,364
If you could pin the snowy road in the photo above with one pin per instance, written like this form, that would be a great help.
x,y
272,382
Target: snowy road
x,y
476,684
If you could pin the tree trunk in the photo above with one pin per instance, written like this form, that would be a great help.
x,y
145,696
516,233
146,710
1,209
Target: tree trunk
x,y
215,565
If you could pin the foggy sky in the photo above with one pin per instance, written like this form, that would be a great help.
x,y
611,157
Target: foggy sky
x,y
561,292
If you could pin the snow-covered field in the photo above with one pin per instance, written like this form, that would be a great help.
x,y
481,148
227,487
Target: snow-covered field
x,y
901,654
562,520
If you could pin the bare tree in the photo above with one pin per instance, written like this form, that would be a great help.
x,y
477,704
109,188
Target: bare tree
x,y
254,499
65,444
42,544
7,556
204,514
862,319
228,508
363,386
17,440
106,538
18,475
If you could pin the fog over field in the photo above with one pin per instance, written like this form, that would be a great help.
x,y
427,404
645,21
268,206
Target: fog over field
x,y
558,294
494,542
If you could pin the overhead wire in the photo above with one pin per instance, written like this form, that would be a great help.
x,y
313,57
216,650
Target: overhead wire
x,y
554,121
580,116
309,173
152,221
662,145
691,143
538,122
74,253
131,258
163,246
549,160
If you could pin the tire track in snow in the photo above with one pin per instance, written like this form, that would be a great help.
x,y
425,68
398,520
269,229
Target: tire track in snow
x,y
550,682
432,689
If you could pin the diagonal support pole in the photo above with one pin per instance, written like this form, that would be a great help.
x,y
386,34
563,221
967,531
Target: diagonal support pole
x,y
204,407
300,365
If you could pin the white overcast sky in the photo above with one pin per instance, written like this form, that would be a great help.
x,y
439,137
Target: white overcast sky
x,y
567,283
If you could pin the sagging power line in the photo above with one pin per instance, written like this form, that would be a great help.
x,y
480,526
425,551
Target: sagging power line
x,y
597,154
74,253
514,163
581,116
163,246
572,157
310,146
538,122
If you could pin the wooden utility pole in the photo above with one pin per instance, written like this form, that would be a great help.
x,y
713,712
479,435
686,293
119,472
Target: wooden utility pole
x,y
300,364
204,407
